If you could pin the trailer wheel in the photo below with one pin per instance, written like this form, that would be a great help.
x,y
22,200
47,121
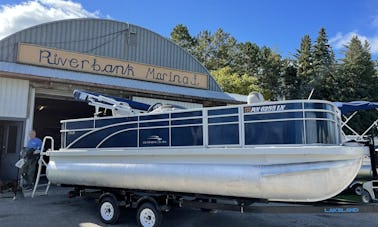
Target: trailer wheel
x,y
108,210
149,216
365,197
358,189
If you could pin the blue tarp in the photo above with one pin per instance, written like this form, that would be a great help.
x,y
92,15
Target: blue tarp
x,y
349,107
80,95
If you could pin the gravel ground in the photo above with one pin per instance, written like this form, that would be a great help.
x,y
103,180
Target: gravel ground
x,y
58,210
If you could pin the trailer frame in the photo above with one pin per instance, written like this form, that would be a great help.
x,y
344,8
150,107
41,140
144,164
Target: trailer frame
x,y
151,205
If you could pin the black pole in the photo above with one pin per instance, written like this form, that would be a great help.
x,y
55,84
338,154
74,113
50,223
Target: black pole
x,y
373,157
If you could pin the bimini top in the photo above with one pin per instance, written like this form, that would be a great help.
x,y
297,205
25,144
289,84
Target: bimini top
x,y
349,107
80,43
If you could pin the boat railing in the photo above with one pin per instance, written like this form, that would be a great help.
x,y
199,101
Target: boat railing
x,y
299,122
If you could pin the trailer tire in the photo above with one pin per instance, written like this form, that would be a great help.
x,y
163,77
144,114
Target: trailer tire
x,y
358,189
148,215
365,197
108,210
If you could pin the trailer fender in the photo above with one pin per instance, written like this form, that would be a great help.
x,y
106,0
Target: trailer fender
x,y
105,194
144,199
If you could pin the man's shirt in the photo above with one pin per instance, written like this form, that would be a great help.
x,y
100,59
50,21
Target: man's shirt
x,y
35,144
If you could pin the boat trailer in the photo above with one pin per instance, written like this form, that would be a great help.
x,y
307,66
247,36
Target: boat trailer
x,y
151,205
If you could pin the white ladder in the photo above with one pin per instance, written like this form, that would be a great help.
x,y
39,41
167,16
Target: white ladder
x,y
41,163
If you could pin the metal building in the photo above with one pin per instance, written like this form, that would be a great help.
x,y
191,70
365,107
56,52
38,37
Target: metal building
x,y
42,65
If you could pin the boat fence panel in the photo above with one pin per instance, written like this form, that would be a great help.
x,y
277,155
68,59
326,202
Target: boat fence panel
x,y
223,127
290,122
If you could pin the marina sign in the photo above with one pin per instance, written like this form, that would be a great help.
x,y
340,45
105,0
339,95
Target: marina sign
x,y
74,61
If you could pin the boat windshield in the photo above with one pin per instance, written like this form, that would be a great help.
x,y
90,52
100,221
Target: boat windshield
x,y
292,123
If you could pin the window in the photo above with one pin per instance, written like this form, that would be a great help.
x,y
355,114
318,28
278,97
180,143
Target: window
x,y
277,132
322,106
319,115
320,131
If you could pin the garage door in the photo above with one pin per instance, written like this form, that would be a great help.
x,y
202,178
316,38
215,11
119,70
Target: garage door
x,y
13,98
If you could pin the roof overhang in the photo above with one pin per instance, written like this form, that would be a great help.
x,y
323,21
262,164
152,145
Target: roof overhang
x,y
34,72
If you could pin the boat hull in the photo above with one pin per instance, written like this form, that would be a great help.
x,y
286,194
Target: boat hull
x,y
296,174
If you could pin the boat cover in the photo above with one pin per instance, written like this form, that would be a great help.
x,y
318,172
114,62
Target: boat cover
x,y
348,107
83,96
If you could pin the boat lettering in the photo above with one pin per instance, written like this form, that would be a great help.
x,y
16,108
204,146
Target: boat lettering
x,y
154,140
270,108
341,210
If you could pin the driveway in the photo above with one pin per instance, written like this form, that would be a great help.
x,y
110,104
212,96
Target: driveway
x,y
57,210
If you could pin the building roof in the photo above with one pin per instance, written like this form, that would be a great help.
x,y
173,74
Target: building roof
x,y
106,38
36,72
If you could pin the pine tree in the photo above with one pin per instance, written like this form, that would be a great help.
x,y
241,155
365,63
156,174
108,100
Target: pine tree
x,y
290,79
247,59
305,73
323,66
358,81
357,75
204,49
180,35
224,47
269,74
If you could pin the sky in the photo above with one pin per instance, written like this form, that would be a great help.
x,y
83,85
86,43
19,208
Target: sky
x,y
277,24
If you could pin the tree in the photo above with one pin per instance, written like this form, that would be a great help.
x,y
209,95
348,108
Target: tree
x,y
247,59
204,50
180,35
216,50
224,47
358,81
323,66
269,74
233,83
358,75
305,73
290,79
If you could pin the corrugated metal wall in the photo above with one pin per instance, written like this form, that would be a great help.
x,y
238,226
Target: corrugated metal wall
x,y
106,38
13,98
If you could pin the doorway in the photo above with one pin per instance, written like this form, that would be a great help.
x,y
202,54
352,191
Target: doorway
x,y
49,112
10,147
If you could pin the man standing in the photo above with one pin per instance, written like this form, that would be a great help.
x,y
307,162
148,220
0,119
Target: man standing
x,y
34,146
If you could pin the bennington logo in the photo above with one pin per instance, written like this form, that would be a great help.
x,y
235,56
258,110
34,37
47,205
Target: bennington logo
x,y
154,140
